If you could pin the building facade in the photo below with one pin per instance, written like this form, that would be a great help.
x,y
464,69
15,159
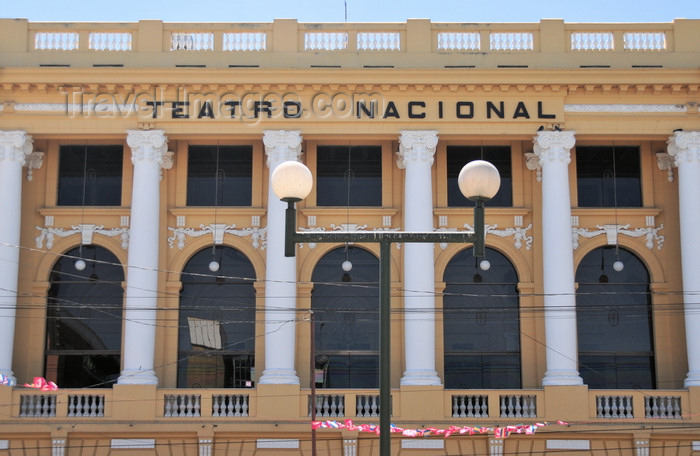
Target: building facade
x,y
142,249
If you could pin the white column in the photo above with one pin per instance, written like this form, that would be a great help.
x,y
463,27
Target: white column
x,y
553,150
641,447
684,147
416,151
15,146
58,447
205,447
281,276
149,153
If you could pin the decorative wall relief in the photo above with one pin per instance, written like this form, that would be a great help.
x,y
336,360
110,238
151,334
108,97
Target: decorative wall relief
x,y
86,232
217,231
650,233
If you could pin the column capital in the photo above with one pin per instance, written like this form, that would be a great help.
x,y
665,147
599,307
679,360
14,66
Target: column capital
x,y
554,145
684,147
15,146
281,146
416,146
149,145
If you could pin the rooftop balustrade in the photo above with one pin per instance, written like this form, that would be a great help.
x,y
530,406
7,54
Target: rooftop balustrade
x,y
286,43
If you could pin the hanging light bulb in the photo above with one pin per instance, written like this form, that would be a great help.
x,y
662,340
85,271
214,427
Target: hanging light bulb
x,y
347,266
214,266
485,265
618,265
80,265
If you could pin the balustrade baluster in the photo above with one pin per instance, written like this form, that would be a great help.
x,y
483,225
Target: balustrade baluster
x,y
244,405
676,407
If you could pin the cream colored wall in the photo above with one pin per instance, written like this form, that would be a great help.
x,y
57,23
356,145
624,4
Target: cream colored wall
x,y
649,131
22,82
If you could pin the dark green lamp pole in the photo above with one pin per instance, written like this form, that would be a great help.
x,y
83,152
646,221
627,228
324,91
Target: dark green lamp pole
x,y
292,182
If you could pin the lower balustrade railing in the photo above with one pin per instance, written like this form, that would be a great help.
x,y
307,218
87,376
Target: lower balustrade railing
x,y
655,406
336,404
507,406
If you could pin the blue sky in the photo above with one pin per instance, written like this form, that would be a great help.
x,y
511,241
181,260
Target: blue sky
x,y
357,10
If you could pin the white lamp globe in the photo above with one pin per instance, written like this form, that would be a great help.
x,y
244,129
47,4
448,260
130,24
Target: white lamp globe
x,y
291,180
80,265
479,180
214,266
347,266
618,265
485,265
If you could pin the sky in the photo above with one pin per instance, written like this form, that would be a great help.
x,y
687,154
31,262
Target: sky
x,y
461,11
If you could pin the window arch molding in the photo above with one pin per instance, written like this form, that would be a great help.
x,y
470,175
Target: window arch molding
x,y
636,247
309,258
177,264
63,245
505,248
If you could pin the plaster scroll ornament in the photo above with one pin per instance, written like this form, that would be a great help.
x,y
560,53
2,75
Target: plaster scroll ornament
x,y
258,235
519,234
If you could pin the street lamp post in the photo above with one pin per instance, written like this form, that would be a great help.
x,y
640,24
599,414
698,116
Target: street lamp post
x,y
292,182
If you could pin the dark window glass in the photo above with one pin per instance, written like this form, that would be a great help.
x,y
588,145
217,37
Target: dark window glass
x,y
349,176
234,184
481,323
458,156
84,320
608,176
346,316
216,344
613,310
90,175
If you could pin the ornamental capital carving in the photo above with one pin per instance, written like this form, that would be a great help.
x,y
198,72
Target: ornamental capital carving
x,y
15,146
149,145
416,146
550,146
684,147
281,146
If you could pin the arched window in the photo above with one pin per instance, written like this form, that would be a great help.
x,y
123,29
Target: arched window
x,y
346,315
481,323
84,319
613,312
216,344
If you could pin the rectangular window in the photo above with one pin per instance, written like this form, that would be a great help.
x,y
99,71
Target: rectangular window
x,y
90,175
349,176
219,175
608,176
499,156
